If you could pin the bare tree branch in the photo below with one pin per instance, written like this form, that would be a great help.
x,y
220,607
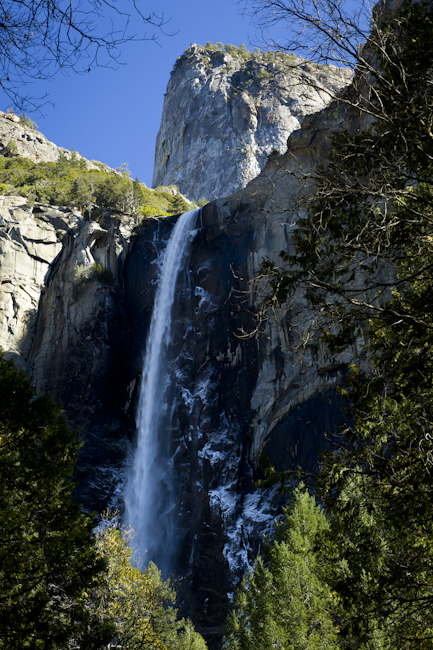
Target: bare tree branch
x,y
39,38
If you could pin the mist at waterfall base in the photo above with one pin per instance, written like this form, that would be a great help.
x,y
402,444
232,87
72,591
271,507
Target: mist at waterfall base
x,y
150,494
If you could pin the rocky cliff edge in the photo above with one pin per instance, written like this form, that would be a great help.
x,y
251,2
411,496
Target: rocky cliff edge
x,y
227,109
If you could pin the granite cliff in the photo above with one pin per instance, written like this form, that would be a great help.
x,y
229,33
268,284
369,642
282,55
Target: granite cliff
x,y
227,109
238,400
237,397
19,137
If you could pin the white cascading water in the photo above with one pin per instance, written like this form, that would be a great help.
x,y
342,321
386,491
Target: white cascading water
x,y
150,489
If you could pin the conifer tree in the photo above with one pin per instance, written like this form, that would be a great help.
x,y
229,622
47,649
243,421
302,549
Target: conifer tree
x,y
178,204
364,257
48,562
285,602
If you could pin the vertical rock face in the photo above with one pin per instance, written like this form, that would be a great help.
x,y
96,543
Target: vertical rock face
x,y
226,110
238,399
28,246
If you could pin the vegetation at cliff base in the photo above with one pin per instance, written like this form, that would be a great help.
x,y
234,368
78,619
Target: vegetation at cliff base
x,y
284,601
139,601
61,584
70,183
363,261
48,560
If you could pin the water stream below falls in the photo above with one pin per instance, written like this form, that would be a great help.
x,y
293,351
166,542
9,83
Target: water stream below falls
x,y
150,495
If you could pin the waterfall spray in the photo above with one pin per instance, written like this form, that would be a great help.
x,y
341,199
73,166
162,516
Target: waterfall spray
x,y
150,491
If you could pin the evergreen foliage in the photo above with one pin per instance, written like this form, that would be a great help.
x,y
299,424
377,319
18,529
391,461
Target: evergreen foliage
x,y
364,257
27,122
70,183
48,561
178,205
60,585
103,275
260,64
285,602
10,149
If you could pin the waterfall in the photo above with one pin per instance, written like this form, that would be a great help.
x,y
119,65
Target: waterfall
x,y
150,495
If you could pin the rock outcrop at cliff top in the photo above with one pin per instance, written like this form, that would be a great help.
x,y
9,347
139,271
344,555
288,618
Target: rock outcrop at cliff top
x,y
227,109
19,139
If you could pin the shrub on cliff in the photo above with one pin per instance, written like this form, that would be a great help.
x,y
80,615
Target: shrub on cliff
x,y
10,149
27,122
86,273
103,274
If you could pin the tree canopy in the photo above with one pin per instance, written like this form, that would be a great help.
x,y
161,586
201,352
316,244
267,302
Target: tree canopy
x,y
63,585
70,183
48,561
285,602
139,601
363,260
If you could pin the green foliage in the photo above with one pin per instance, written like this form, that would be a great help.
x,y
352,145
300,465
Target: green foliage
x,y
81,193
104,275
70,183
178,205
48,562
27,123
243,54
11,148
285,602
30,200
215,48
364,256
240,52
85,273
263,74
82,273
100,165
188,638
140,602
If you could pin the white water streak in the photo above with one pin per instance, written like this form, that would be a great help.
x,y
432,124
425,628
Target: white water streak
x,y
150,491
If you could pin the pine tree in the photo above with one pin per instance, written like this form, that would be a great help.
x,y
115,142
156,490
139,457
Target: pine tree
x,y
285,602
81,194
48,562
178,205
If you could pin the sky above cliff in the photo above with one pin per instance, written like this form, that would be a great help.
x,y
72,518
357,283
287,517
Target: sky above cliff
x,y
114,115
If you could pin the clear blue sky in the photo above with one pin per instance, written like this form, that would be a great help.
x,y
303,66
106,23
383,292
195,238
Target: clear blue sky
x,y
114,115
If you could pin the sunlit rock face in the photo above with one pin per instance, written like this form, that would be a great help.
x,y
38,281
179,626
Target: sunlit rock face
x,y
236,400
58,326
18,139
28,246
225,111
